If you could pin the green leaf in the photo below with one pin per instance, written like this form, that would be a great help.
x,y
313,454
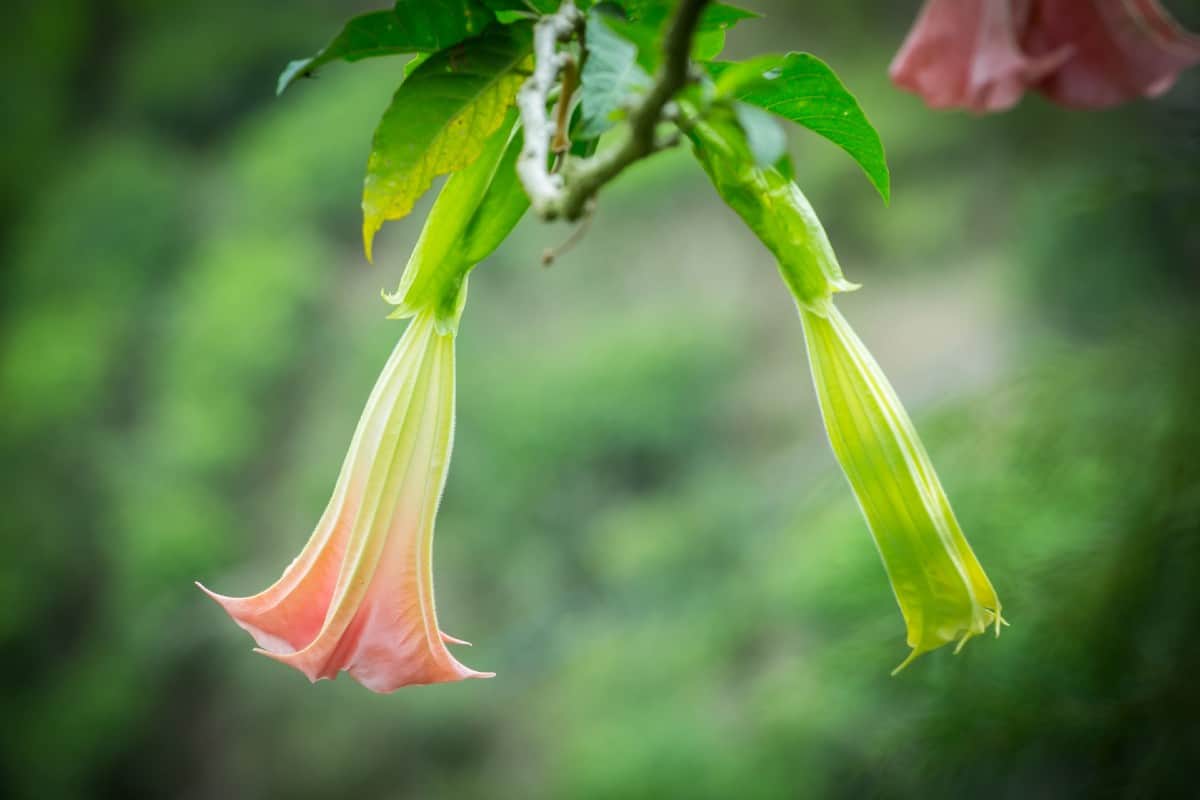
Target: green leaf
x,y
610,76
647,20
412,26
411,65
802,88
710,33
533,6
764,136
439,120
500,209
785,167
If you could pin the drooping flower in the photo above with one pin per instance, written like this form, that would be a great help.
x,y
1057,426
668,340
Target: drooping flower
x,y
359,597
942,590
965,53
983,54
1120,50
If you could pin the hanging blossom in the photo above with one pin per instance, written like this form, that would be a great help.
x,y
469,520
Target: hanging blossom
x,y
942,590
943,593
982,55
359,597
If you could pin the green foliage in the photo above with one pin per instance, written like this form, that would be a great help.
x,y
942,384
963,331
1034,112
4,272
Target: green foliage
x,y
437,269
802,88
500,209
714,22
526,6
764,136
646,22
610,77
412,26
439,119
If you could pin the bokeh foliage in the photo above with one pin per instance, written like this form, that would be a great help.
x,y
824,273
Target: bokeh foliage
x,y
644,533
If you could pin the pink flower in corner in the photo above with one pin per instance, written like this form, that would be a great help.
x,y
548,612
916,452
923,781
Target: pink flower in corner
x,y
983,54
359,597
965,54
1120,50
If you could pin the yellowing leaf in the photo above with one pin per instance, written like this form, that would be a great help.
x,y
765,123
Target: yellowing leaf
x,y
412,26
439,120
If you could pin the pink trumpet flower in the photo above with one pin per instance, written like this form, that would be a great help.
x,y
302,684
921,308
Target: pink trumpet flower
x,y
983,54
359,597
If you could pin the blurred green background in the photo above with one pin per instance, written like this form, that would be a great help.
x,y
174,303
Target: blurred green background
x,y
644,532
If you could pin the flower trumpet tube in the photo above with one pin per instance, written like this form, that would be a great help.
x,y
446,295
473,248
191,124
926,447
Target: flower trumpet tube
x,y
942,590
359,597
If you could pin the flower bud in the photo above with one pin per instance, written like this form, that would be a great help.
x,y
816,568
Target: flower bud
x,y
942,590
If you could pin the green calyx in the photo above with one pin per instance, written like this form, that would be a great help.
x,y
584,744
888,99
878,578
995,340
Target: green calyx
x,y
474,212
774,208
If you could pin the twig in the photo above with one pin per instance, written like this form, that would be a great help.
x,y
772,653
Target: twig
x,y
565,194
561,142
552,254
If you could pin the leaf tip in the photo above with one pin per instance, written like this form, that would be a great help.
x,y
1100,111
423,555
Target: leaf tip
x,y
370,226
293,70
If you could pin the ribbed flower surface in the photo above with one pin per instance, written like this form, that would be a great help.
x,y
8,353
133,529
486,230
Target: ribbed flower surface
x,y
942,590
359,597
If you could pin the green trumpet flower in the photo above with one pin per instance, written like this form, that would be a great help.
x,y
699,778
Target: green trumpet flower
x,y
942,590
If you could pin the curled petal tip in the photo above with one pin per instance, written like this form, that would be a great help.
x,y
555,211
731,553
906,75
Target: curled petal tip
x,y
911,658
448,639
291,660
220,599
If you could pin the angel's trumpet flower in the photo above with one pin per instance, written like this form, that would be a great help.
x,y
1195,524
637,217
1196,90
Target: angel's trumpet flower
x,y
983,54
967,54
359,597
942,591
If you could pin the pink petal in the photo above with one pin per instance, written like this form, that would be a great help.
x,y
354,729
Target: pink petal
x,y
965,54
935,59
1122,50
